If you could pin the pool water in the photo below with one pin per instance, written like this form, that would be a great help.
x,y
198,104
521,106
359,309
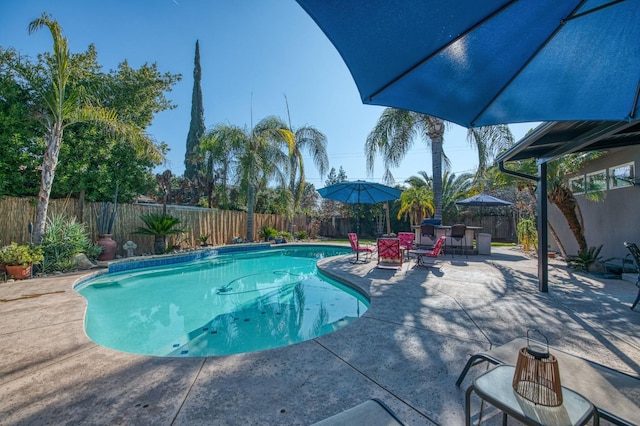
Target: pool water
x,y
224,304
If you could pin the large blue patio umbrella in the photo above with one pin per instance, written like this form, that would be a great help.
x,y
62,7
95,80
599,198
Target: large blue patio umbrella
x,y
478,63
359,192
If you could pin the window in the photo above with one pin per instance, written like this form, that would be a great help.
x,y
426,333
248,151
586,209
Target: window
x,y
621,176
577,184
597,181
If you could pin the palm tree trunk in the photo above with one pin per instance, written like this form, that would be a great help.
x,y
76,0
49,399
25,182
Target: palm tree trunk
x,y
250,203
436,158
49,164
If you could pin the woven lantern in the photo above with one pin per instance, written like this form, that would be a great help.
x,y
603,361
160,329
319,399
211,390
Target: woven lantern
x,y
537,377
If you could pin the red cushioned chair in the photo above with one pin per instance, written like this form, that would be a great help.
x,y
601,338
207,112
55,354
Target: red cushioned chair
x,y
366,250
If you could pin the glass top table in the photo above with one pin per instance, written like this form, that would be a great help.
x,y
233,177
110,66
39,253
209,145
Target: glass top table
x,y
495,387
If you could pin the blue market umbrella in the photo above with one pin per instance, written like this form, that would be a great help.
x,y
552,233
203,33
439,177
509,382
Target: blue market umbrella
x,y
359,192
483,200
490,62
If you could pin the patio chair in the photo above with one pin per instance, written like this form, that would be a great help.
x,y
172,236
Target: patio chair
x,y
366,250
389,253
428,258
427,234
635,252
458,233
406,241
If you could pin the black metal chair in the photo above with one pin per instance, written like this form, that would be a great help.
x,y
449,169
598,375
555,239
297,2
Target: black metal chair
x,y
635,252
458,233
429,231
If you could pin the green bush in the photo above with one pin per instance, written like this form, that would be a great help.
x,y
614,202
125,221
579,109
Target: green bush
x,y
21,255
585,258
159,226
286,235
268,233
527,234
302,235
62,239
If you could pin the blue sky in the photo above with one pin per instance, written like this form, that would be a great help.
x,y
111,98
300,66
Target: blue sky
x,y
252,54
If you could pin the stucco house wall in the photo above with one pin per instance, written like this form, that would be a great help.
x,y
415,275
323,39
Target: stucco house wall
x,y
613,220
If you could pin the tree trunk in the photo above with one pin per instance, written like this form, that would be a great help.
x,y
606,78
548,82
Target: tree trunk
x,y
568,206
436,159
160,244
250,202
49,163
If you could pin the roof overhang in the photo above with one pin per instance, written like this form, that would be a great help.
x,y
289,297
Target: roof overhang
x,y
554,139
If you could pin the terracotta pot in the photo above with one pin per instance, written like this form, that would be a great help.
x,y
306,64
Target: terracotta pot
x,y
19,272
109,247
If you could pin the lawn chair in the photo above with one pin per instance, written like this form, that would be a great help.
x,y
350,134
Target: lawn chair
x,y
406,241
389,253
428,258
635,252
366,250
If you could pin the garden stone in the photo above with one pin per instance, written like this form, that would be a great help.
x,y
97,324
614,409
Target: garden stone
x,y
82,261
130,246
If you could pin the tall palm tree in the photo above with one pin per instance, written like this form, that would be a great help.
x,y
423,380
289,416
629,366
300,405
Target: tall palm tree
x,y
306,139
62,103
396,129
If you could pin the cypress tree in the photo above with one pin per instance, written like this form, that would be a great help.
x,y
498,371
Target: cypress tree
x,y
196,127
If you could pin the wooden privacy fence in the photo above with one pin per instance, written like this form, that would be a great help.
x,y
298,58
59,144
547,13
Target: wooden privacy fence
x,y
222,226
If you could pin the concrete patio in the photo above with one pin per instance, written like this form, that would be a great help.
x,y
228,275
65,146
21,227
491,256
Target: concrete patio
x,y
407,349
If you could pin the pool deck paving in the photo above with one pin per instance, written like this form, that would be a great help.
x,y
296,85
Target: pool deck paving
x,y
407,349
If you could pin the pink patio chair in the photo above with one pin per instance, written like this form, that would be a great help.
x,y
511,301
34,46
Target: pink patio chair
x,y
389,253
428,258
366,250
406,241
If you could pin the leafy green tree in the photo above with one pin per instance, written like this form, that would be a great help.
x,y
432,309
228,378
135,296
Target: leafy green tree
x,y
330,208
61,103
396,129
196,127
20,136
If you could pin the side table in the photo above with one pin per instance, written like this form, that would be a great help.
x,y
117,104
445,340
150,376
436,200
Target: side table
x,y
495,387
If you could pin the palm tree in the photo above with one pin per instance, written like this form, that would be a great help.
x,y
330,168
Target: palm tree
x,y
396,129
558,192
216,147
253,156
62,103
313,141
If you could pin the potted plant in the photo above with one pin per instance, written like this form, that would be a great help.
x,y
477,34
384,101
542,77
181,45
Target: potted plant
x,y
203,240
159,226
105,219
19,258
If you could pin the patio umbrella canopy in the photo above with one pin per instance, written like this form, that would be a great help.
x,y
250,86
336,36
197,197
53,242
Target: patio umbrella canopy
x,y
482,200
359,192
491,62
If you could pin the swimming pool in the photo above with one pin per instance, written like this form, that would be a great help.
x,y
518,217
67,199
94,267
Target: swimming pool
x,y
219,305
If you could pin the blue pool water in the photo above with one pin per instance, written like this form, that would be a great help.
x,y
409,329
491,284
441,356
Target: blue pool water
x,y
223,304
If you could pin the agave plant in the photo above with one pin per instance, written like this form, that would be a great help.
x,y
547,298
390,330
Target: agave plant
x,y
159,226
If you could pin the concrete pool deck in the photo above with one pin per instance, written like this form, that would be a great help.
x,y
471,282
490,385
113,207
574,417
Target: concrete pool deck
x,y
407,349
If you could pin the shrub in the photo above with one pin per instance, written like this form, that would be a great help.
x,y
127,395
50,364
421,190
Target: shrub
x,y
302,235
62,239
159,226
585,258
267,233
21,255
527,234
284,234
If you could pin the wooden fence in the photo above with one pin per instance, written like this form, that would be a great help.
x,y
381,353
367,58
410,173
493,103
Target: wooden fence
x,y
221,225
